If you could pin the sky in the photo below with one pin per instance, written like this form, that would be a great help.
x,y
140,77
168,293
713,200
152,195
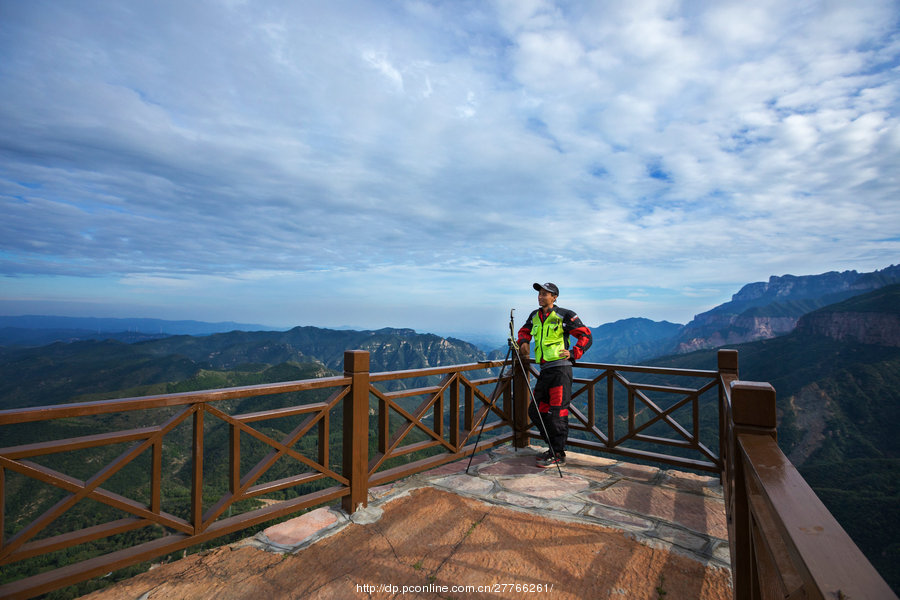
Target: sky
x,y
420,164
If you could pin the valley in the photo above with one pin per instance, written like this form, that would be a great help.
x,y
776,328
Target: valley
x,y
835,368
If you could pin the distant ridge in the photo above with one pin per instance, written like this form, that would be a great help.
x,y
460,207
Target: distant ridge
x,y
63,372
764,310
629,341
29,330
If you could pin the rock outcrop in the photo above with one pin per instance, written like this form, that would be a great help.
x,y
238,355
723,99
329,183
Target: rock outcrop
x,y
866,328
765,310
872,318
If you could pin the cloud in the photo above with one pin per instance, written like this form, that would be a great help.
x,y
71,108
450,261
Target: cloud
x,y
651,143
380,63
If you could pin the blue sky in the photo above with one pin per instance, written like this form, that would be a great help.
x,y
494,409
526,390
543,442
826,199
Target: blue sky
x,y
420,164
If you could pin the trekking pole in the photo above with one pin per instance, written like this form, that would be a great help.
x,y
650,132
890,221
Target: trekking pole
x,y
494,396
512,336
537,409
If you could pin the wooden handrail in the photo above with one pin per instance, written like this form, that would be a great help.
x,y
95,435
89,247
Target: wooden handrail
x,y
99,407
784,542
765,504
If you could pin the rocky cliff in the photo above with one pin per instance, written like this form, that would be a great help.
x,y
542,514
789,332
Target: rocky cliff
x,y
764,310
872,318
714,331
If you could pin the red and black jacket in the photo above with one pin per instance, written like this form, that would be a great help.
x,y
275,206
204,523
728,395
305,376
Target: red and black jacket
x,y
572,326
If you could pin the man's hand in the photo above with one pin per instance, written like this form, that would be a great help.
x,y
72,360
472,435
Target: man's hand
x,y
565,353
523,349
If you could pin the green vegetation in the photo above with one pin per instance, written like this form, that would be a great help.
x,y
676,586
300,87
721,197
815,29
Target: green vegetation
x,y
660,589
852,392
90,371
887,301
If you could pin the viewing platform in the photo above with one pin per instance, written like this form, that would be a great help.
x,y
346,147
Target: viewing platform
x,y
605,529
110,484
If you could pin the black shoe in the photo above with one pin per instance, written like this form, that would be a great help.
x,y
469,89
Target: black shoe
x,y
543,455
552,461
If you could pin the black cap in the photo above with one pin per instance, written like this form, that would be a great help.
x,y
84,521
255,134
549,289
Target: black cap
x,y
550,287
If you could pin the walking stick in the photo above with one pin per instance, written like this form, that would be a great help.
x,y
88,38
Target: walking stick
x,y
494,396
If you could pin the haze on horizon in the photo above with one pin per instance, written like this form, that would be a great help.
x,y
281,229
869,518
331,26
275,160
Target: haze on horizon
x,y
420,163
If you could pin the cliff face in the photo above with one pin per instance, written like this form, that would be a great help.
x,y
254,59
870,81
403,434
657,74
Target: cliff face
x,y
714,330
794,287
866,328
872,318
765,310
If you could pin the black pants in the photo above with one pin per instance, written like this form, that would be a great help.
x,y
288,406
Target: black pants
x,y
553,393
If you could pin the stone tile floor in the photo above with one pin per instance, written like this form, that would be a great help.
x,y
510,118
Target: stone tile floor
x,y
604,529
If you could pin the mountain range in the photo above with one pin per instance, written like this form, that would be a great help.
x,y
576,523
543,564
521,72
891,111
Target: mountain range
x,y
67,372
761,310
113,325
829,343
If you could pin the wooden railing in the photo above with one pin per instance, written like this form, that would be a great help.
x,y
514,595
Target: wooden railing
x,y
206,518
784,543
671,412
391,430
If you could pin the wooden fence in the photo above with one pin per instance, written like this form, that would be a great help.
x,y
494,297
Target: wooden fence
x,y
391,429
784,543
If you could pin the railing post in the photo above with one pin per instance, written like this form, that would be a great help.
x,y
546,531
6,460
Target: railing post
x,y
752,411
728,363
356,430
520,405
728,372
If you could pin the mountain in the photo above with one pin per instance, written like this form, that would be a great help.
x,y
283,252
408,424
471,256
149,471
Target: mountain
x,y
765,310
867,319
630,341
25,337
60,372
837,380
390,349
39,330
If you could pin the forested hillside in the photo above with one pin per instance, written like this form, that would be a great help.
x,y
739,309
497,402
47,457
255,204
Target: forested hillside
x,y
61,372
838,406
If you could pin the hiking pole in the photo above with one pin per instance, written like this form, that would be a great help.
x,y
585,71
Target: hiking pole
x,y
494,396
512,335
537,410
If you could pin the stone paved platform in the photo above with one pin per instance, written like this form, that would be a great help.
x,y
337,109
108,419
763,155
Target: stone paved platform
x,y
668,508
605,529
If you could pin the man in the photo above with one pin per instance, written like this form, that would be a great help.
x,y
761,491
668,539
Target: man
x,y
550,327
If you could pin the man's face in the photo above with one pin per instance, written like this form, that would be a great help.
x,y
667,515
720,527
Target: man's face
x,y
545,299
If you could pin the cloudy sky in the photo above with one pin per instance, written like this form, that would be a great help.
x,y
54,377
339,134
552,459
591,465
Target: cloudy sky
x,y
421,163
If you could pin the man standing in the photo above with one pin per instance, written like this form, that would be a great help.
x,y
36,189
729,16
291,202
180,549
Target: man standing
x,y
550,327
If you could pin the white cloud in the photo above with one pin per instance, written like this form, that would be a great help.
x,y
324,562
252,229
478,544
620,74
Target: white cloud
x,y
380,63
443,145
